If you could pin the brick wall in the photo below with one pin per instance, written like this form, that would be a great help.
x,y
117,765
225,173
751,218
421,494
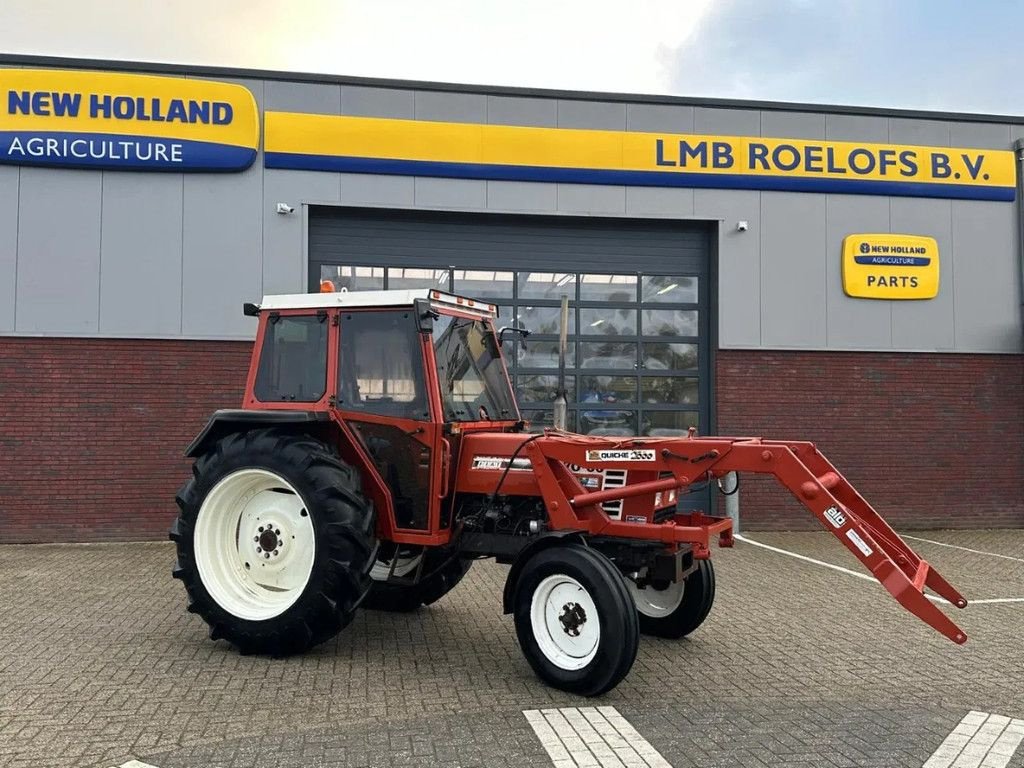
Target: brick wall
x,y
92,432
930,440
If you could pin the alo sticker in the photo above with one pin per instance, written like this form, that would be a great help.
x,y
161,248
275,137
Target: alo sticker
x,y
858,542
628,454
835,517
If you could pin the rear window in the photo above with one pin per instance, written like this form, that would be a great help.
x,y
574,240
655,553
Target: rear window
x,y
293,361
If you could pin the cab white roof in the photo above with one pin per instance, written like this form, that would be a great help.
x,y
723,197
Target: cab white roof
x,y
372,299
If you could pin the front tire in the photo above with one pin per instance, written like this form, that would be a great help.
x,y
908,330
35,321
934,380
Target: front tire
x,y
575,620
678,609
275,541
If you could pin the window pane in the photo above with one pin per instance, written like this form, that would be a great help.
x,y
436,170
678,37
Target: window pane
x,y
668,390
544,319
541,419
483,284
621,288
293,361
541,388
607,389
670,322
353,278
470,373
404,279
543,354
667,424
546,285
608,322
663,288
608,354
606,422
386,384
659,355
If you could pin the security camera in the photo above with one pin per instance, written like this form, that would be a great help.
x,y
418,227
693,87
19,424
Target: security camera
x,y
285,208
742,226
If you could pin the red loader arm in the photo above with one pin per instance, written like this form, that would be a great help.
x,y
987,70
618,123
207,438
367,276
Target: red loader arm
x,y
676,463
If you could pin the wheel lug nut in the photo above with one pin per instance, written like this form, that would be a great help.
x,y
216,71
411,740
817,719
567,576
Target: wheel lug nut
x,y
255,538
266,555
275,553
277,533
261,529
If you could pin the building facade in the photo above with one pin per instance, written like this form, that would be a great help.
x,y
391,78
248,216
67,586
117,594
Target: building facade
x,y
701,245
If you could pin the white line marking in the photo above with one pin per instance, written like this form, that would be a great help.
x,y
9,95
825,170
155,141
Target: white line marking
x,y
965,549
981,740
134,764
592,737
865,577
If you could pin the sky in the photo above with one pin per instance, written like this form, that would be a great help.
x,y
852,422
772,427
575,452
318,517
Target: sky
x,y
915,54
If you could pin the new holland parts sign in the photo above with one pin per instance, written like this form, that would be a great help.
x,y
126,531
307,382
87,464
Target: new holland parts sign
x,y
890,266
127,122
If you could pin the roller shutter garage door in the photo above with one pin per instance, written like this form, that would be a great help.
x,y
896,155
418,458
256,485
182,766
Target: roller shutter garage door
x,y
639,352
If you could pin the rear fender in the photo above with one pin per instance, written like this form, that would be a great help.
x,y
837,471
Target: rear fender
x,y
226,421
542,542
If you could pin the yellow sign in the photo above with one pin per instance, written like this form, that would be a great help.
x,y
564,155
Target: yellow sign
x,y
890,266
466,150
112,120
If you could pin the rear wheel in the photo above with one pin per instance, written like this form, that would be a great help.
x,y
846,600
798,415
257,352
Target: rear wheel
x,y
575,620
275,541
675,610
439,571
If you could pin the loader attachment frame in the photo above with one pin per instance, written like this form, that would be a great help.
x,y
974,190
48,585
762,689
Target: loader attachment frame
x,y
678,463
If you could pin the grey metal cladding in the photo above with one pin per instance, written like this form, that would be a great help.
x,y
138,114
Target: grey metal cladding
x,y
58,251
980,135
659,118
857,128
594,199
284,265
854,323
739,263
431,239
314,98
599,115
520,110
671,202
222,263
467,194
368,189
726,122
986,277
793,269
927,324
522,196
140,265
928,133
450,107
8,244
793,125
363,101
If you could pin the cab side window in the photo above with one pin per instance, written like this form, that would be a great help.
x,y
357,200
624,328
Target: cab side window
x,y
381,365
293,360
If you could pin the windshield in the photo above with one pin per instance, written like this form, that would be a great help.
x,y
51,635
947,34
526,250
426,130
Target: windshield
x,y
470,372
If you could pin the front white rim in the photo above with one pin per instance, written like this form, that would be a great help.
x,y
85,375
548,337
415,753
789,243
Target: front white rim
x,y
657,603
565,622
254,544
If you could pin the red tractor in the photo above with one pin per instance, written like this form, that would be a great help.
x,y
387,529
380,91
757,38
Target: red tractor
x,y
379,451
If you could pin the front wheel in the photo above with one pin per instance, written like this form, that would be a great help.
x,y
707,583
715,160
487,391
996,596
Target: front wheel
x,y
575,620
675,610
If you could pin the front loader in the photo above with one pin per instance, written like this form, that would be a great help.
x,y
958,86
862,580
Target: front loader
x,y
379,451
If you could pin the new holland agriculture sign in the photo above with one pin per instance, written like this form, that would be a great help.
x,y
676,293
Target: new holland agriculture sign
x,y
122,121
465,150
890,266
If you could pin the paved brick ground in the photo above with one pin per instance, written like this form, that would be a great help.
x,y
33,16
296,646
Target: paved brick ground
x,y
797,665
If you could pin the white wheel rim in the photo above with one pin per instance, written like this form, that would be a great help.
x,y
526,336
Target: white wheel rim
x,y
657,603
404,566
254,544
565,622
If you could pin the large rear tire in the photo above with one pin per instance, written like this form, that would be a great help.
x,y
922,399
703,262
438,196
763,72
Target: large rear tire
x,y
575,620
275,541
440,573
677,609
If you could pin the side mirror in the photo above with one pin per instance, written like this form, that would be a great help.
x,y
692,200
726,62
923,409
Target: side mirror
x,y
510,329
425,316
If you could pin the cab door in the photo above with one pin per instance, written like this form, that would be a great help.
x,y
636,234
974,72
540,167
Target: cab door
x,y
384,399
